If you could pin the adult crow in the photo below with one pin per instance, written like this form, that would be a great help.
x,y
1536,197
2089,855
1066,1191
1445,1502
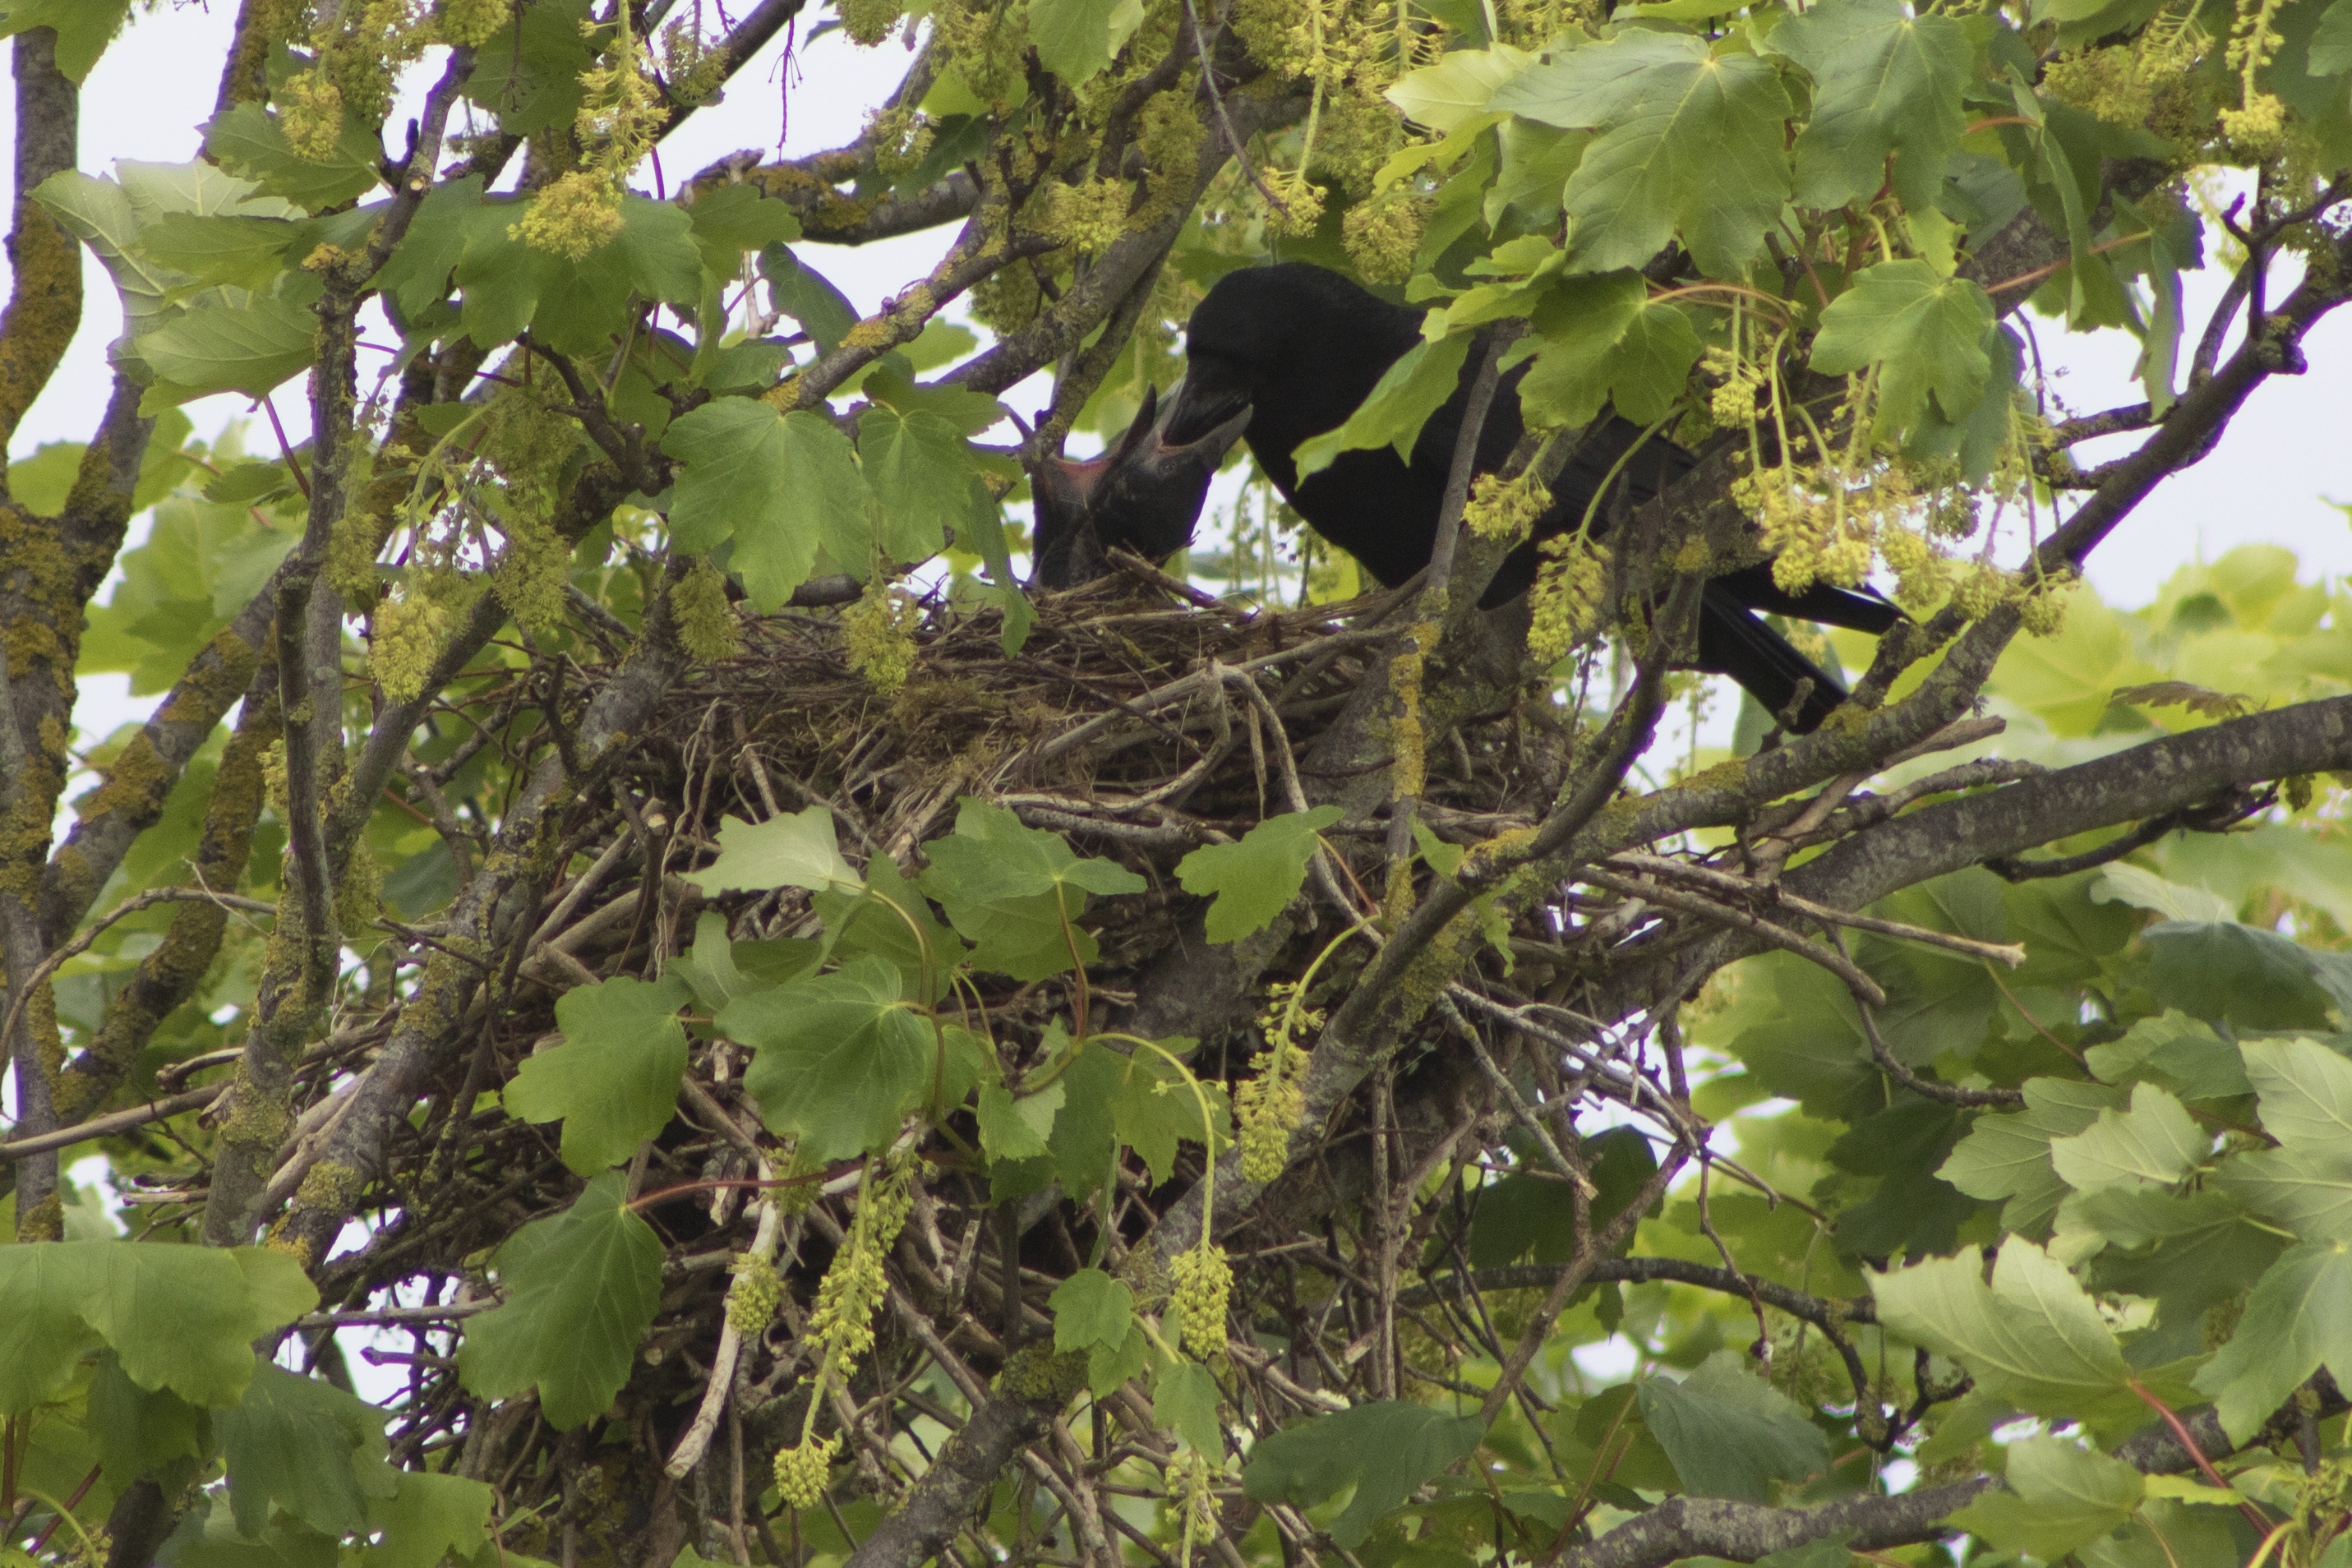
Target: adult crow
x,y
1292,349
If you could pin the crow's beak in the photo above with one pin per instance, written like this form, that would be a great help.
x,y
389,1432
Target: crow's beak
x,y
1202,414
1155,481
1145,494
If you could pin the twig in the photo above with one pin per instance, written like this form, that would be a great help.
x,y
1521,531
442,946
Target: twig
x,y
1779,936
89,935
2009,953
109,1125
1226,121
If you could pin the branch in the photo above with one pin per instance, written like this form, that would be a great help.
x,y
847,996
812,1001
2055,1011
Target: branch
x,y
2197,421
2143,781
44,260
1715,1527
960,1481
115,1122
436,1016
1063,325
1821,1312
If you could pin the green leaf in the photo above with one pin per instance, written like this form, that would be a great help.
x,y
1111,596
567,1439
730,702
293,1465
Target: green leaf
x,y
1085,1138
1729,1433
612,1081
2156,1140
1523,1214
800,291
2298,1318
2305,1093
1385,1450
921,471
1108,1366
580,1287
1029,939
1253,881
435,1515
137,1429
1928,336
248,347
1076,38
2331,44
2180,1052
418,271
841,1058
2256,979
1184,1397
799,850
1091,1309
1444,95
736,220
1886,83
2144,889
531,81
84,28
2031,1337
2187,1253
2008,1156
719,970
248,140
109,216
573,307
306,1446
1400,403
182,1318
249,252
888,919
217,1542
1018,1129
2061,1496
779,484
2310,1194
1155,1110
1602,340
1691,143
992,855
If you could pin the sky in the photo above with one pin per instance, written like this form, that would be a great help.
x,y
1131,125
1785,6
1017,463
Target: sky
x,y
2270,480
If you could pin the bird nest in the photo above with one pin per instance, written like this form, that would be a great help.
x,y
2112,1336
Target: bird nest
x,y
1137,711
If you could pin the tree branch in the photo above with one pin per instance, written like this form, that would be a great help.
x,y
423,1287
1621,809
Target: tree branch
x,y
1743,1532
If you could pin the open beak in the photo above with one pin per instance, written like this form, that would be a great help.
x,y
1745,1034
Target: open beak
x,y
1145,494
1151,490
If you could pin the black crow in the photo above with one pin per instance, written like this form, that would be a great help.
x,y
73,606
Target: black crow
x,y
1144,493
1296,348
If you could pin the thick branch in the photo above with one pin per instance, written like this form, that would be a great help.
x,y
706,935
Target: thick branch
x,y
2145,781
44,261
1743,1532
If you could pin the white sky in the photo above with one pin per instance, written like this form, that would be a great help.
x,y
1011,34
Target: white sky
x,y
2290,450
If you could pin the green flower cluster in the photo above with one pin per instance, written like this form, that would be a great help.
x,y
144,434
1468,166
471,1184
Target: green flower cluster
x,y
1505,509
753,1294
803,1470
705,621
1268,1105
1565,605
409,630
1383,236
1204,1281
879,630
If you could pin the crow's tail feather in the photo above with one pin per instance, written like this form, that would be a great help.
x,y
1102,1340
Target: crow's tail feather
x,y
1733,642
1862,610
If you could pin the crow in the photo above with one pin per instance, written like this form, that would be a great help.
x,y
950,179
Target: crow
x,y
1286,352
1144,494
